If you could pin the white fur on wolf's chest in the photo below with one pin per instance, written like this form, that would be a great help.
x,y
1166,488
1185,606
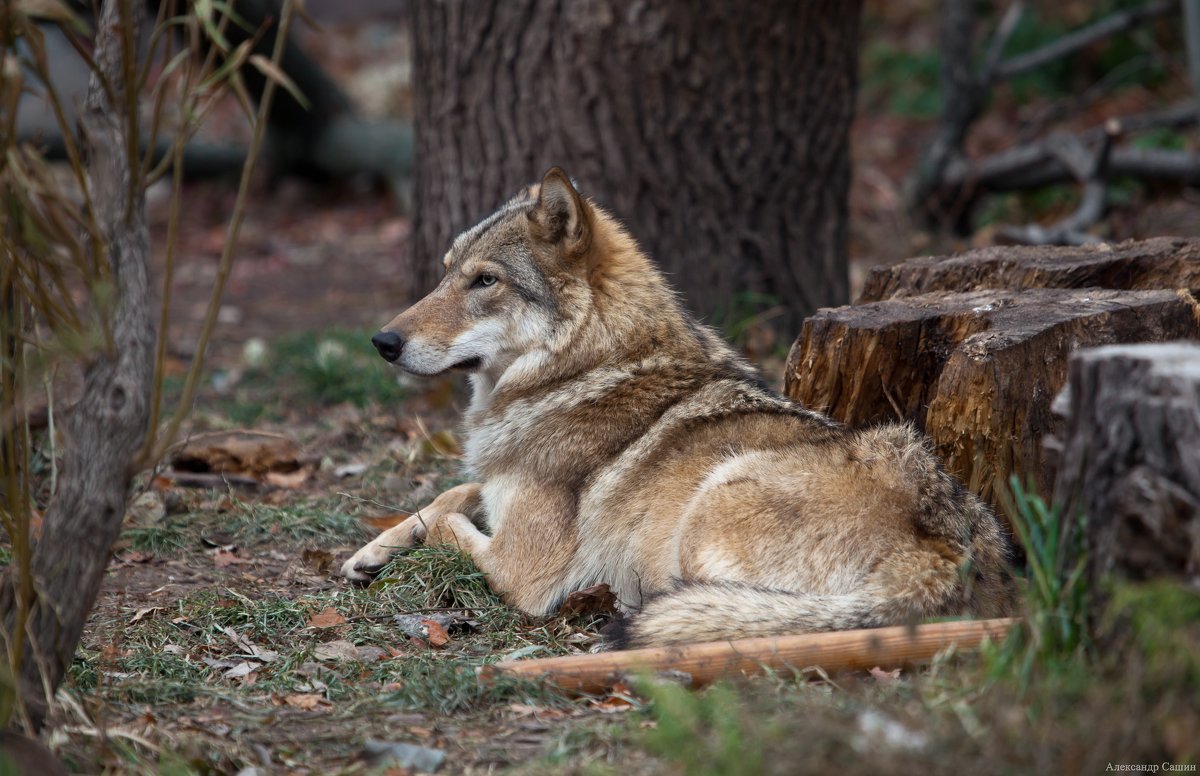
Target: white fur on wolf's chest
x,y
500,494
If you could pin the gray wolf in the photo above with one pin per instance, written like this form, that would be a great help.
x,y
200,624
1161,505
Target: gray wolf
x,y
615,439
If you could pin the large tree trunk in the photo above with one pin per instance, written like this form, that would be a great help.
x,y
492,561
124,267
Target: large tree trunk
x,y
107,426
718,132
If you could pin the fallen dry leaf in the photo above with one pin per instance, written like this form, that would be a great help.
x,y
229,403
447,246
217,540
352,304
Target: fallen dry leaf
x,y
240,670
224,559
308,701
220,663
612,705
320,560
542,713
597,599
336,650
620,698
141,613
135,556
326,618
249,648
415,625
437,635
371,654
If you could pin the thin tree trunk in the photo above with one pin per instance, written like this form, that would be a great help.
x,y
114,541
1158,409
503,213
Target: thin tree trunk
x,y
107,427
718,132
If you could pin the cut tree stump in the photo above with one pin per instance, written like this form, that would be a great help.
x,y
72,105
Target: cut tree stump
x,y
977,371
1130,459
1161,263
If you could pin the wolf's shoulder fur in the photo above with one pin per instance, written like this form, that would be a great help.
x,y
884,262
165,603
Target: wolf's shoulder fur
x,y
616,439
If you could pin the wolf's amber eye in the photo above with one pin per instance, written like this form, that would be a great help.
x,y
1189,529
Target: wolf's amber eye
x,y
484,280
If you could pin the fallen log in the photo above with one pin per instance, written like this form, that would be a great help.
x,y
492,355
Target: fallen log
x,y
702,664
1160,263
976,371
1130,459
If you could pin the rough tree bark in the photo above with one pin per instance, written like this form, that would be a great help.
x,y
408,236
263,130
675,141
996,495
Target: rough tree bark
x,y
717,131
1130,459
107,427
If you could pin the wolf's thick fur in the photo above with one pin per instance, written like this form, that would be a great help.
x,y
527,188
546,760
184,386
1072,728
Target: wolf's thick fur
x,y
615,439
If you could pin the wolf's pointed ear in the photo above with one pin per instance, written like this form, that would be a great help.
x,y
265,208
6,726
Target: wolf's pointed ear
x,y
560,215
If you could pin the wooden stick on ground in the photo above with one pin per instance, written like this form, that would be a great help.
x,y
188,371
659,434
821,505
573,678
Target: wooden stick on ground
x,y
705,663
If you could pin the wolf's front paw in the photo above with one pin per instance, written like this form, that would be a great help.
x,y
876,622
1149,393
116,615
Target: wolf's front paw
x,y
367,562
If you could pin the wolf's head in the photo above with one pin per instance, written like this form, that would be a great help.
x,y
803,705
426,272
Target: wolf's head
x,y
513,285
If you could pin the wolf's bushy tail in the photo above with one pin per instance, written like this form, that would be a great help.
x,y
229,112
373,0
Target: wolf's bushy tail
x,y
716,611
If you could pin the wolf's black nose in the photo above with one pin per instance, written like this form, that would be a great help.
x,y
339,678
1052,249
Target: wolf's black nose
x,y
389,345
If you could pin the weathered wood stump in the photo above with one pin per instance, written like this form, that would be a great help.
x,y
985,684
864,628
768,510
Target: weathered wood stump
x,y
1164,262
1130,459
977,371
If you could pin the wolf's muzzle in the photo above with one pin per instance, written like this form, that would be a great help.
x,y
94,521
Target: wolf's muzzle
x,y
389,345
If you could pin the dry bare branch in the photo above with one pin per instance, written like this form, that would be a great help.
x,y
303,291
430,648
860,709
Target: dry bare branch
x,y
1068,44
1090,168
946,181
